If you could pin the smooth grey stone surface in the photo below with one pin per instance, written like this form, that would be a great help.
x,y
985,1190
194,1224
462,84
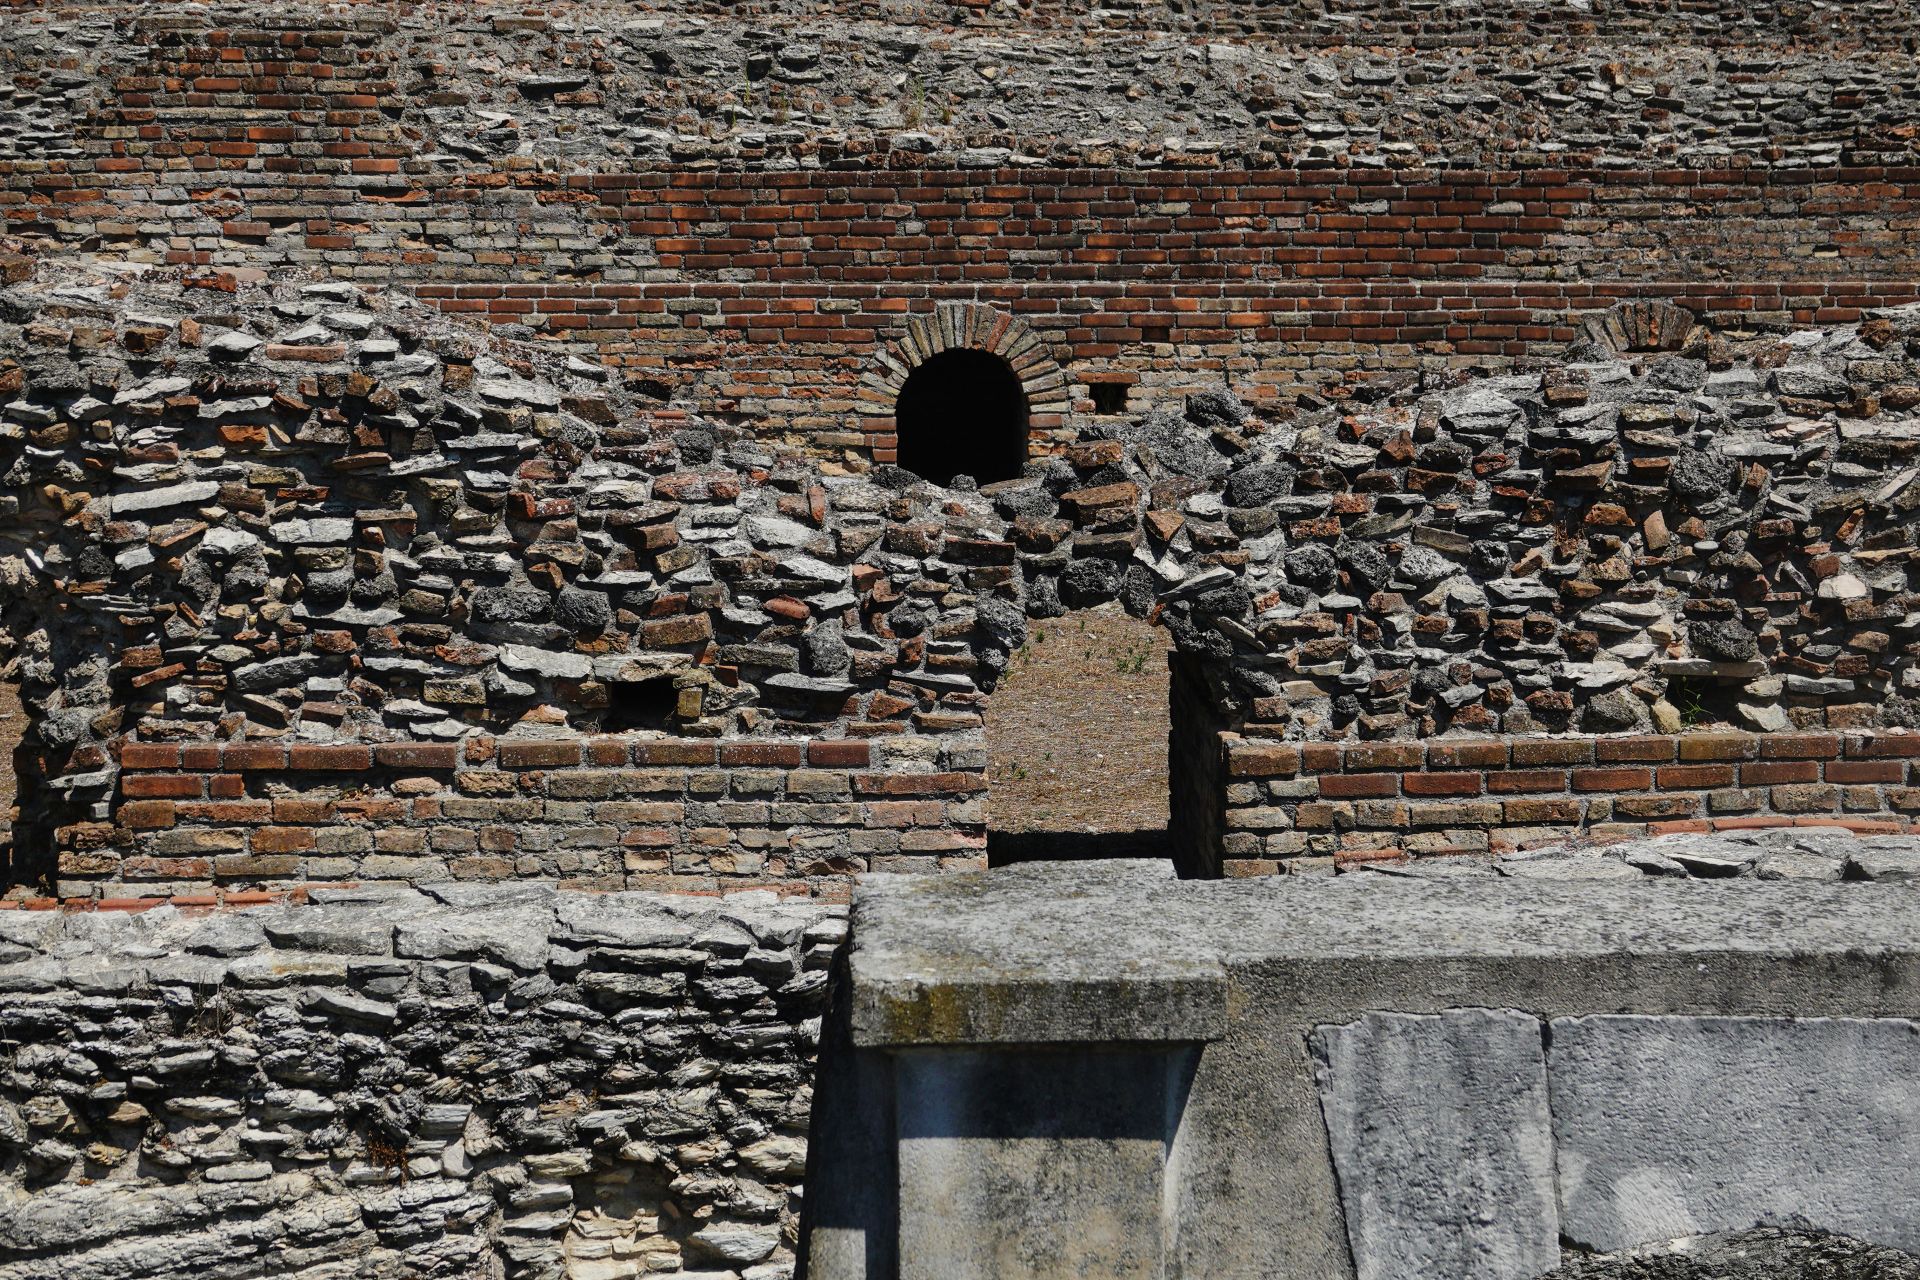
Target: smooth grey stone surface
x,y
1676,1126
1059,976
1035,1165
1119,950
1442,1143
1029,955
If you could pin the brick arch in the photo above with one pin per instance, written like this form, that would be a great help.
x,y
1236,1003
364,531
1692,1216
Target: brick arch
x,y
975,326
1643,327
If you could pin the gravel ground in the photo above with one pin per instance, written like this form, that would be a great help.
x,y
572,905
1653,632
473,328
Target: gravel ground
x,y
1765,1253
1077,731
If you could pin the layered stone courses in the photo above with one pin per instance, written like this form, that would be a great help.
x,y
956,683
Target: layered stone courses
x,y
607,812
468,1081
1315,806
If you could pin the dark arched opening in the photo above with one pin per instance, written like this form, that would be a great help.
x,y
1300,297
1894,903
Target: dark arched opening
x,y
962,413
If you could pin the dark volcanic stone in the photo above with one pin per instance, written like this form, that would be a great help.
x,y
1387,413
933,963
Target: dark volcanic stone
x,y
1722,641
1700,476
508,604
1258,484
1312,565
582,610
1090,582
1215,408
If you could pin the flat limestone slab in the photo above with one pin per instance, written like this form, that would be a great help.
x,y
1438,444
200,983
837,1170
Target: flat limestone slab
x,y
1062,970
1671,1126
1120,950
1442,1143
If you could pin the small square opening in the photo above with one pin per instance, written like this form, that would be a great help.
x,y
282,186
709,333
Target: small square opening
x,y
1109,397
640,704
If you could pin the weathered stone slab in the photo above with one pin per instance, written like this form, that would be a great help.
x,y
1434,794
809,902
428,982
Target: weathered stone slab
x,y
1441,1139
1674,1126
1035,1165
909,990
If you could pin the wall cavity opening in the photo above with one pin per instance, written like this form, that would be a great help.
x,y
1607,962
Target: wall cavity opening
x,y
640,704
1077,739
962,413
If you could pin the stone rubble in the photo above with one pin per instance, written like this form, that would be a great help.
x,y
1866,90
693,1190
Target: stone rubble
x,y
598,83
1779,854
411,1084
377,527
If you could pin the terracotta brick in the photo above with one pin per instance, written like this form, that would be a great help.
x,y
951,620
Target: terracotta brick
x,y
1438,784
329,757
253,755
146,815
1681,777
782,755
1799,746
1772,772
1880,745
1807,798
839,753
1538,751
150,755
1645,750
676,751
1319,757
1719,746
917,784
1466,755
1613,779
1335,786
1656,806
540,754
1262,760
281,839
417,755
1518,780
1384,755
163,786
1866,771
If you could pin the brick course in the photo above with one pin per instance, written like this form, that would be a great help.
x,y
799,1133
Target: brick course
x,y
1345,807
605,812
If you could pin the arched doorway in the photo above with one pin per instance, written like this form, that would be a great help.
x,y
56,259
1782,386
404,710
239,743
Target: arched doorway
x,y
962,413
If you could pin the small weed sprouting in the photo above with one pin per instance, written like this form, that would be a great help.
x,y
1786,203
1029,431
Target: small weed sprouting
x,y
384,1153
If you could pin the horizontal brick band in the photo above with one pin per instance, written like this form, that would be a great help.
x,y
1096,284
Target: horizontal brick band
x,y
1287,802
603,811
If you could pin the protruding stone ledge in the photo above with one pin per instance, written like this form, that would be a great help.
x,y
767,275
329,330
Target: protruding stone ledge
x,y
910,990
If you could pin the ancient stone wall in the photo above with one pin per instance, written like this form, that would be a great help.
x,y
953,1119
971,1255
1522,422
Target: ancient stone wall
x,y
739,219
473,1082
310,583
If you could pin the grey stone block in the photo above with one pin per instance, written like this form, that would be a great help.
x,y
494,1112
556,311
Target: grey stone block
x,y
1442,1143
1675,1126
1036,1165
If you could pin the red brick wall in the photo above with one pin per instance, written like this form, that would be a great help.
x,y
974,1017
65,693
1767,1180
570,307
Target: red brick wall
x,y
601,812
766,292
769,295
1292,805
